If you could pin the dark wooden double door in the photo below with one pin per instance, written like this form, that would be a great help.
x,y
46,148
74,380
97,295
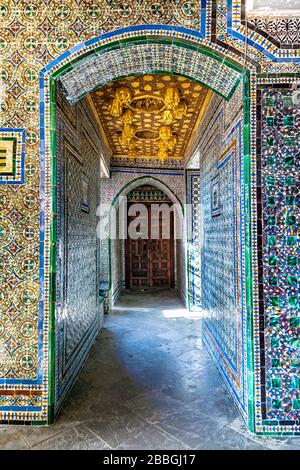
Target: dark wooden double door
x,y
149,262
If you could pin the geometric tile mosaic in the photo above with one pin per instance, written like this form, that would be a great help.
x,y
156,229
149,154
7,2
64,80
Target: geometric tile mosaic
x,y
222,256
140,59
281,267
12,156
78,310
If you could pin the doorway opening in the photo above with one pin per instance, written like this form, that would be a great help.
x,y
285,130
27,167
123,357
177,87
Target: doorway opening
x,y
150,256
146,248
128,228
206,131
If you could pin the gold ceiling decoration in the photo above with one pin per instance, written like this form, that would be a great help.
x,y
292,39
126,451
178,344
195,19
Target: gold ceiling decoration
x,y
172,108
149,116
122,98
127,137
175,107
166,142
147,103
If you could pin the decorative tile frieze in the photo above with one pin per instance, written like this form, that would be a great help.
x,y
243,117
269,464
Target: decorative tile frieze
x,y
284,32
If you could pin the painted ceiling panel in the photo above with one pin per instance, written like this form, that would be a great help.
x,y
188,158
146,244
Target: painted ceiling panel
x,y
147,107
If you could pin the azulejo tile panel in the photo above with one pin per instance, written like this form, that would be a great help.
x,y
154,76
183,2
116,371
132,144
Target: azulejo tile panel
x,y
147,58
78,312
280,244
232,28
284,32
171,163
222,256
170,180
194,231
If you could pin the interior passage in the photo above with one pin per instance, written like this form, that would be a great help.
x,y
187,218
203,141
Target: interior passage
x,y
148,383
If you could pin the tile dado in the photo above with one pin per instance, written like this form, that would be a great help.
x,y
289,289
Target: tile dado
x,y
37,39
142,57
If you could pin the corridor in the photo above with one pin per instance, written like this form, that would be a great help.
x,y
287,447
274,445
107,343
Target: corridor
x,y
148,384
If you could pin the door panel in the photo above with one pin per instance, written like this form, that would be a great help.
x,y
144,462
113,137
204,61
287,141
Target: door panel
x,y
150,263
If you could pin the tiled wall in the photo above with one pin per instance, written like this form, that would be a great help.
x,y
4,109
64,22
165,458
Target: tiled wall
x,y
79,312
280,318
117,264
221,190
193,234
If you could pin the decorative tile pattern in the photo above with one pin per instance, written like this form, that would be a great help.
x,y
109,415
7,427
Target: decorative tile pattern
x,y
231,31
140,59
280,237
169,181
221,283
193,239
115,259
12,156
221,233
19,293
284,32
154,163
147,193
78,313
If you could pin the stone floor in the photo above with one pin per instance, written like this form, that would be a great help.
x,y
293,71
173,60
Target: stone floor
x,y
147,384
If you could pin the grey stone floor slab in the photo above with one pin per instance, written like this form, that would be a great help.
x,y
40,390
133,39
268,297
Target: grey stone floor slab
x,y
78,438
148,384
11,438
116,425
153,438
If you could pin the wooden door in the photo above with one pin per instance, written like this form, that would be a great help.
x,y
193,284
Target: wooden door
x,y
150,262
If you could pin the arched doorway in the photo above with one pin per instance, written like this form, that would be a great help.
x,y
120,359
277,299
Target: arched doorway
x,y
200,66
116,249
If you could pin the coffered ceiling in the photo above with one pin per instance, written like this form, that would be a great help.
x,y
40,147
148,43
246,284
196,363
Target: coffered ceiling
x,y
150,116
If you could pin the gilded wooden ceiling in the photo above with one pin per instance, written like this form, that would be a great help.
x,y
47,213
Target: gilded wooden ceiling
x,y
150,116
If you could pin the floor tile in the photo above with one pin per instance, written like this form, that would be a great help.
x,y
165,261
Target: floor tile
x,y
190,427
11,438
